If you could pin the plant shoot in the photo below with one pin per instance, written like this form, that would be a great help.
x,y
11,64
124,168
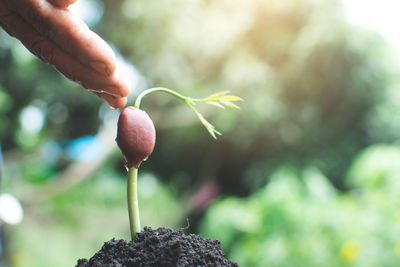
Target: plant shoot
x,y
136,138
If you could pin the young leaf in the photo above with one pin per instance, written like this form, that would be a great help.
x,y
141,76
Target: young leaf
x,y
229,104
217,95
231,98
210,128
214,103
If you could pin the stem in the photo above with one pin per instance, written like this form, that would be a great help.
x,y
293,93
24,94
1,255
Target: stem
x,y
185,99
133,207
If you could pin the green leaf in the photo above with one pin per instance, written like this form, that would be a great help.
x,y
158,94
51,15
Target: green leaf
x,y
229,104
214,103
210,128
231,98
217,95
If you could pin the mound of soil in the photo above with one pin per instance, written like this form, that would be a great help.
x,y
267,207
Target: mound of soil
x,y
160,247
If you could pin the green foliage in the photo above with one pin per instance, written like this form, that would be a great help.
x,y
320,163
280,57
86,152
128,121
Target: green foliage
x,y
377,167
220,100
300,219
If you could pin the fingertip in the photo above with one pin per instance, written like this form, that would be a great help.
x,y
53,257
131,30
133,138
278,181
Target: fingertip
x,y
113,101
121,84
120,102
124,90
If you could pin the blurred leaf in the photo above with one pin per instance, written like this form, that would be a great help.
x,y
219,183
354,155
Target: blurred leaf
x,y
6,101
306,224
377,167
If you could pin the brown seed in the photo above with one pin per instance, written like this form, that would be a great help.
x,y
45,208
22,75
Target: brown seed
x,y
136,136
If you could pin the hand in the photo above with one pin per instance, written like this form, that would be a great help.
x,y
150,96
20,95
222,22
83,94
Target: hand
x,y
58,37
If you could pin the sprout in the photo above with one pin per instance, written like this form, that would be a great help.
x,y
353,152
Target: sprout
x,y
136,138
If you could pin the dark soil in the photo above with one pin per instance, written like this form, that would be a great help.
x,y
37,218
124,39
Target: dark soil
x,y
161,247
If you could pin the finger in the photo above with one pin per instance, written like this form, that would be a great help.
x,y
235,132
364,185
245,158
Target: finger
x,y
69,32
50,53
115,102
112,85
62,3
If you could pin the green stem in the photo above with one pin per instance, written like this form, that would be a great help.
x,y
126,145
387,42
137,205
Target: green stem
x,y
133,206
185,99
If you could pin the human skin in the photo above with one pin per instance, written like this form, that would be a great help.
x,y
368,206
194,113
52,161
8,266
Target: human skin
x,y
59,38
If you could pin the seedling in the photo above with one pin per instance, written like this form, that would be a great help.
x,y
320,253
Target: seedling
x,y
136,138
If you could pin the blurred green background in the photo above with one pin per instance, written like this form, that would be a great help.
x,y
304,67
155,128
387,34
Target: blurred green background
x,y
307,173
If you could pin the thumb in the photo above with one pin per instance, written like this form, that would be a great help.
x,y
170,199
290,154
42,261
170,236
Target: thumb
x,y
61,3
